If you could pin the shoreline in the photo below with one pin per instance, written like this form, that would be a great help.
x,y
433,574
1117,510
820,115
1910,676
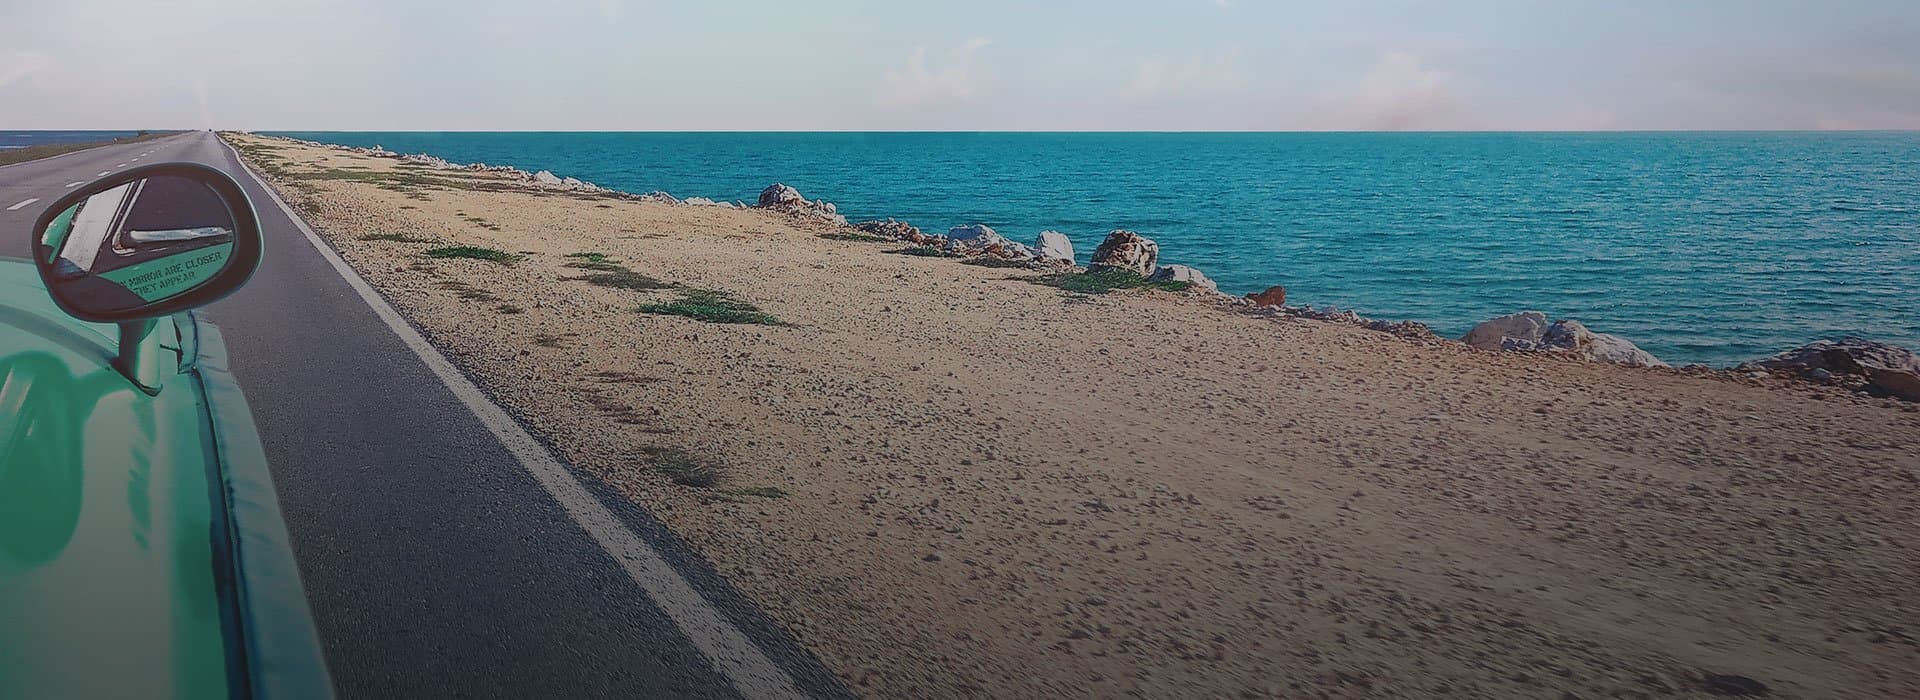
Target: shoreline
x,y
948,479
904,232
1687,283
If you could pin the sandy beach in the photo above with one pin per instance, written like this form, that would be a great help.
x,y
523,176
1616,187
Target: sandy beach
x,y
947,480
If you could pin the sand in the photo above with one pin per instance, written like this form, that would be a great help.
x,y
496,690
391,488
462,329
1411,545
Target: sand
x,y
996,488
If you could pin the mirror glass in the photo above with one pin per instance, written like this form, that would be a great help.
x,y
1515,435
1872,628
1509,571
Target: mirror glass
x,y
137,244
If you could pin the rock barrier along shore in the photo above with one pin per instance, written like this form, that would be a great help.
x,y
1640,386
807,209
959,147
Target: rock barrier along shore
x,y
1852,363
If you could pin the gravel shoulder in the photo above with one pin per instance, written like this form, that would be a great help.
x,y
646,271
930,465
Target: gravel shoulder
x,y
948,481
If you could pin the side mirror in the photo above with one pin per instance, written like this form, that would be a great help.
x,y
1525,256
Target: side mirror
x,y
147,242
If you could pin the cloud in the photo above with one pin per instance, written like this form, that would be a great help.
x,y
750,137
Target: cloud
x,y
918,86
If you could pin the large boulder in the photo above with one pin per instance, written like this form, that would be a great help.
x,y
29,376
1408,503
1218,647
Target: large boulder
x,y
1054,246
1126,250
981,239
1274,296
1573,336
779,194
547,179
780,197
1492,334
1182,273
1888,369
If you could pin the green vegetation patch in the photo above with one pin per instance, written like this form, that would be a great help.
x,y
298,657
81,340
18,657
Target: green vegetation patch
x,y
597,266
683,467
922,251
591,257
624,279
712,306
1106,281
473,252
990,261
467,292
510,309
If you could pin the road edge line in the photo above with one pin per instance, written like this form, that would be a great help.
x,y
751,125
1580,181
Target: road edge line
x,y
724,645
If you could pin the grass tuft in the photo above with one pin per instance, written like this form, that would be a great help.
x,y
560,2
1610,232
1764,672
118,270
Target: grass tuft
x,y
591,257
682,467
466,292
474,252
990,261
624,279
1106,281
510,309
712,306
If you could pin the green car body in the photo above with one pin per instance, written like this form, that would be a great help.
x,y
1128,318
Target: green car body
x,y
142,551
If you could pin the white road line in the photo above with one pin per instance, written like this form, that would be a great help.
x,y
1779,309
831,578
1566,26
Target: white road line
x,y
122,165
751,672
30,200
75,184
104,173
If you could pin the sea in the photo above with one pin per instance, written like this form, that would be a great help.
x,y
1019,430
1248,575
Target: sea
x,y
23,139
1700,247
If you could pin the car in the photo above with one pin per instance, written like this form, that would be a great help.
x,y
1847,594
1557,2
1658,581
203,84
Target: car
x,y
142,550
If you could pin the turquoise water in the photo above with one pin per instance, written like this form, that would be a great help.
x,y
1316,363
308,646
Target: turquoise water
x,y
1701,247
23,139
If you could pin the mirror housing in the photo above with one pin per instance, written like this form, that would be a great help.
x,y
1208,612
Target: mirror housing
x,y
147,242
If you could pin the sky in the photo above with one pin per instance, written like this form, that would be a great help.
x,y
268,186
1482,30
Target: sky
x,y
854,65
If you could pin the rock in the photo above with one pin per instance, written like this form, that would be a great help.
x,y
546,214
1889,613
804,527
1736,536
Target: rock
x,y
778,194
429,161
1849,355
546,178
1889,369
1572,336
1054,246
981,239
700,202
1182,273
1492,333
1274,296
1900,385
1126,250
1404,329
891,230
780,197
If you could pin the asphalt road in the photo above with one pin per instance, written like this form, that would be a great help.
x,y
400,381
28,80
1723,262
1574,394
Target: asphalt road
x,y
436,564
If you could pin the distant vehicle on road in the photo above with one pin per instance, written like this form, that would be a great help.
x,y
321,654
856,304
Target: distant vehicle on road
x,y
142,552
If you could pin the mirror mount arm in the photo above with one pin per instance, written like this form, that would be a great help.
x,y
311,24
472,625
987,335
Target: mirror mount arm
x,y
132,354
